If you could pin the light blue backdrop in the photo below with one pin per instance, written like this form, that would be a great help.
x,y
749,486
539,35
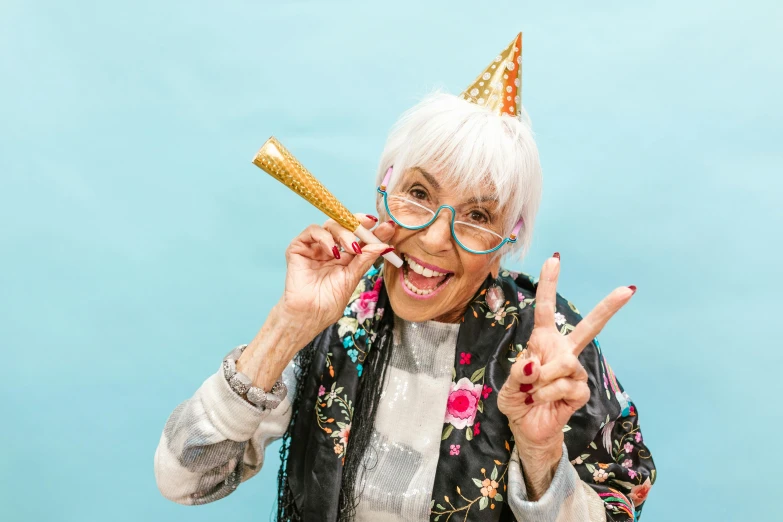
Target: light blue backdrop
x,y
138,244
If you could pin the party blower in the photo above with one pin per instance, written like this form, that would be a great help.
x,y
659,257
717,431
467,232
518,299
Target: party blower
x,y
275,160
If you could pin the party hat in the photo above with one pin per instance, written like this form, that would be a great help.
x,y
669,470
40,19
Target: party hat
x,y
498,86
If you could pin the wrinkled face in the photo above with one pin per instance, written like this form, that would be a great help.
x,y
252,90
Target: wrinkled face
x,y
438,277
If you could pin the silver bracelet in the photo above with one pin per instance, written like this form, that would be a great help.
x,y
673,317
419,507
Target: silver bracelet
x,y
243,385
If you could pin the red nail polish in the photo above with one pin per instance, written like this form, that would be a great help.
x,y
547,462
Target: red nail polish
x,y
336,252
524,388
390,249
528,369
633,288
392,223
372,217
529,400
556,254
356,247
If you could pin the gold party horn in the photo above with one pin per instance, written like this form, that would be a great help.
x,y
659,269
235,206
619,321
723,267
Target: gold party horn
x,y
275,160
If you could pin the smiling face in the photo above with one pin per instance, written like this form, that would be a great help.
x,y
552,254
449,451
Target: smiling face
x,y
438,277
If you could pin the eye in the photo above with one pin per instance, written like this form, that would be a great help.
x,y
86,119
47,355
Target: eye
x,y
418,192
479,217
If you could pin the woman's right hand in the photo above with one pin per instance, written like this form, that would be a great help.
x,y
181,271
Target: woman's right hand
x,y
320,279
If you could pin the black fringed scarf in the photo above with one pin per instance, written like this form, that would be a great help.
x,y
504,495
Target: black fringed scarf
x,y
331,400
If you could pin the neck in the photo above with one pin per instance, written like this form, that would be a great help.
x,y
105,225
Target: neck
x,y
453,316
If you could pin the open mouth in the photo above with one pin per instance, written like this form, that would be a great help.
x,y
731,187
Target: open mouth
x,y
421,280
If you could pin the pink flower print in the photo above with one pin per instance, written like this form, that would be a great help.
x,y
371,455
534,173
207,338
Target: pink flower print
x,y
628,447
462,403
365,305
464,358
377,286
639,493
627,463
486,391
344,434
500,314
454,450
321,391
477,428
638,436
600,475
520,297
631,474
513,274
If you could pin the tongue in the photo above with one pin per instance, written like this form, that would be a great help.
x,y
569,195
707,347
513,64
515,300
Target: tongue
x,y
424,283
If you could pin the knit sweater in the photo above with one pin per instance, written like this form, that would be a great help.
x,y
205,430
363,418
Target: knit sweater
x,y
215,440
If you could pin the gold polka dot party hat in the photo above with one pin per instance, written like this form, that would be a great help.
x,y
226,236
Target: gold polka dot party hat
x,y
498,87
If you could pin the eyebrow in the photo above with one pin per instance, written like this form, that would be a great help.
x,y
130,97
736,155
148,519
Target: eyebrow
x,y
432,181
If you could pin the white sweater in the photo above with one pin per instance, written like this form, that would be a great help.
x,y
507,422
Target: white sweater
x,y
215,440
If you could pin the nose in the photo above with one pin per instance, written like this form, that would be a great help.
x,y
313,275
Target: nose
x,y
437,237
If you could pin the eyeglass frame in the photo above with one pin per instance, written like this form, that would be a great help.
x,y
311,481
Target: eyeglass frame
x,y
511,239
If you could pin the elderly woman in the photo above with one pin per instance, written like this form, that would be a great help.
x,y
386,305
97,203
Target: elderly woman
x,y
449,387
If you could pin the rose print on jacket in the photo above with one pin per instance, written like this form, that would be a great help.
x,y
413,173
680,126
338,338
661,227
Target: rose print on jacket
x,y
462,403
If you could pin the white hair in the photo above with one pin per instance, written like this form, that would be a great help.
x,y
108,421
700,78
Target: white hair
x,y
471,148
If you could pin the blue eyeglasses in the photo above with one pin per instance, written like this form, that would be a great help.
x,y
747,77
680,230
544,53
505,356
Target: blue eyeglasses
x,y
412,215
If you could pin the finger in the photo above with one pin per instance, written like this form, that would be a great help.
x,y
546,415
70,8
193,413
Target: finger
x,y
524,372
361,263
316,243
385,231
546,293
569,390
344,237
368,221
589,327
565,366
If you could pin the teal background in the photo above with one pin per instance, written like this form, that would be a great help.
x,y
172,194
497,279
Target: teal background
x,y
138,244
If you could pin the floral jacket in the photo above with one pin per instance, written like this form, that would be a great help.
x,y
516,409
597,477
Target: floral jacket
x,y
603,438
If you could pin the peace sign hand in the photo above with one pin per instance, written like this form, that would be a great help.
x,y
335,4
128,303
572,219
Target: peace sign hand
x,y
547,383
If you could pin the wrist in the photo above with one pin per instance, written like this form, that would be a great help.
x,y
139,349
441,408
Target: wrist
x,y
273,347
298,327
539,463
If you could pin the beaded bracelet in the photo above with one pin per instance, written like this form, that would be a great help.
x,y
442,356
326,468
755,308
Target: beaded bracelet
x,y
243,385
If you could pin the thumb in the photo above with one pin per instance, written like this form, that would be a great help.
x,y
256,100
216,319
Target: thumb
x,y
385,231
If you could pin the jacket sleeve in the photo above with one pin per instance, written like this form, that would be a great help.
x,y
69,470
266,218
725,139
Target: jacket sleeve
x,y
617,463
568,498
215,440
604,440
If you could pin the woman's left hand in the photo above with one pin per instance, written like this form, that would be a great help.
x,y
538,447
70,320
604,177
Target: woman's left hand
x,y
547,383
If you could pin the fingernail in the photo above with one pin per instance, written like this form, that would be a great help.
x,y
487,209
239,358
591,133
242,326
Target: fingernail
x,y
529,400
392,223
335,252
556,254
633,288
356,247
369,216
524,388
390,249
528,369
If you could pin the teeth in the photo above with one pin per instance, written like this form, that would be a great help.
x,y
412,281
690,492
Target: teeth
x,y
426,272
415,290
